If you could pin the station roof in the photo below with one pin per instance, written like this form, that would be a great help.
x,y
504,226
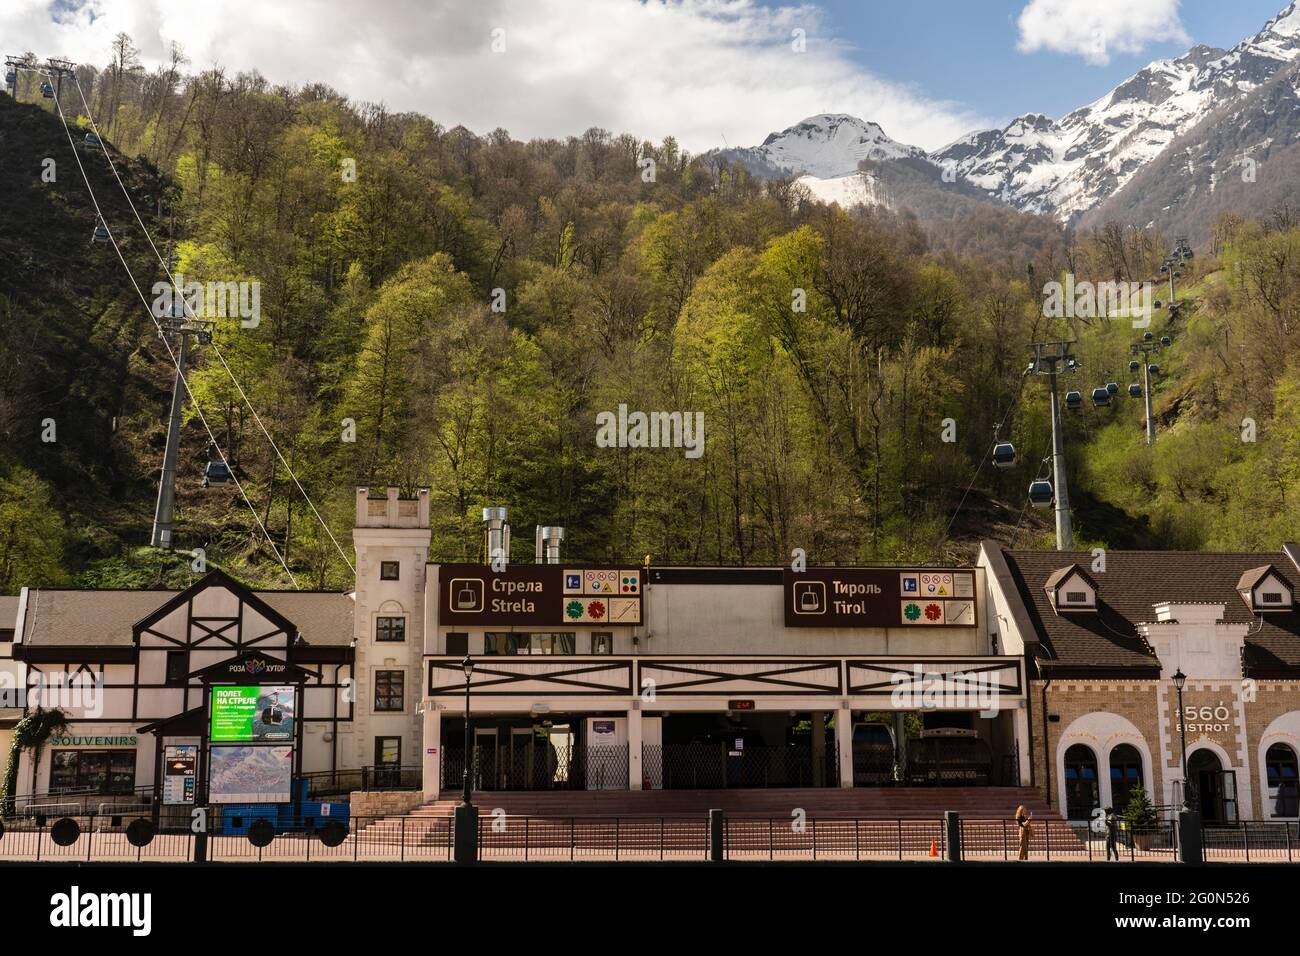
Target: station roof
x,y
58,617
1107,639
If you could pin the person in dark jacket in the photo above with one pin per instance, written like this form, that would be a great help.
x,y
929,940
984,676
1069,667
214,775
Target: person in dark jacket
x,y
1112,834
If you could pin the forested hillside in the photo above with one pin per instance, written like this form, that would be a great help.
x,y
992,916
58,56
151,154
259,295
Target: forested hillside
x,y
472,302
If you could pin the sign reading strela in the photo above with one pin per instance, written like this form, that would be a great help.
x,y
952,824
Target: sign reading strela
x,y
538,595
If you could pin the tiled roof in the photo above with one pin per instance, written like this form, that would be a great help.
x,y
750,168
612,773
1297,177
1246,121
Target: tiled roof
x,y
8,611
1132,583
104,618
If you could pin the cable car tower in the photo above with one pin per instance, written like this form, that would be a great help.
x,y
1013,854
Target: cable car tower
x,y
1049,358
179,330
1146,348
59,69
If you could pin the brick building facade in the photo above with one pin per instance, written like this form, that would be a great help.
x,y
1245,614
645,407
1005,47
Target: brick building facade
x,y
1107,639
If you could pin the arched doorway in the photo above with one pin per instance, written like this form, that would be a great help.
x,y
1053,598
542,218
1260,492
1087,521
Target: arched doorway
x,y
1081,793
1213,789
1125,774
1283,771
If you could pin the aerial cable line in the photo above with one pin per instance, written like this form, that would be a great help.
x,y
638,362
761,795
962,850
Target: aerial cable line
x,y
980,467
166,344
240,388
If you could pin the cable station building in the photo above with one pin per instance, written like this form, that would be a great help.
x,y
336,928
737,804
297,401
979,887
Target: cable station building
x,y
1026,670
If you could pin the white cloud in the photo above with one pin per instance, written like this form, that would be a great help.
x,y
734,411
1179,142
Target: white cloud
x,y
701,70
1096,29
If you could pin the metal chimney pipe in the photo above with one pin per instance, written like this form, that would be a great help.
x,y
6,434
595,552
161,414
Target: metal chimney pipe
x,y
498,533
551,538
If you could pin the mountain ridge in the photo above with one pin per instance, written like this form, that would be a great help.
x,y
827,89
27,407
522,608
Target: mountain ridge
x,y
1062,168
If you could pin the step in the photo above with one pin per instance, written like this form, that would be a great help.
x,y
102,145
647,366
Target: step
x,y
860,803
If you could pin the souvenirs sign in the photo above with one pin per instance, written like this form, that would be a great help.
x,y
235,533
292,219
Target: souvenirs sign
x,y
879,597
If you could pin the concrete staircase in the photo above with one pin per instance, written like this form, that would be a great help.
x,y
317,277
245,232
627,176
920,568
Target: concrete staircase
x,y
889,821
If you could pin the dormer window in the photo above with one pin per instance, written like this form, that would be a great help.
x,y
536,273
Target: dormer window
x,y
1071,589
1264,589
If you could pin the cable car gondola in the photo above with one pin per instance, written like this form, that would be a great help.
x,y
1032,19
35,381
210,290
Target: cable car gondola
x,y
1135,390
100,234
1004,454
1100,397
92,141
1147,336
1153,368
1166,341
47,90
1040,493
1074,400
11,79
1134,365
1112,387
216,473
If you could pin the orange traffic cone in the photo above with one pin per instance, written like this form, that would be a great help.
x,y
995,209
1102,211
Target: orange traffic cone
x,y
934,848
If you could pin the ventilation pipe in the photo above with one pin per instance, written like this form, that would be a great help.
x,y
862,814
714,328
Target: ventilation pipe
x,y
549,539
497,533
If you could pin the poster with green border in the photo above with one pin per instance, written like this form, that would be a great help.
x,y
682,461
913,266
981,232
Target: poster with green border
x,y
233,710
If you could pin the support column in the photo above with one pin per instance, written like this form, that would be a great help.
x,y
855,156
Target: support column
x,y
635,774
844,744
432,756
1023,756
900,744
817,740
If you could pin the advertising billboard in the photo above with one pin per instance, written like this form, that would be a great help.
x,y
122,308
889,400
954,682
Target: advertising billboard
x,y
250,774
257,714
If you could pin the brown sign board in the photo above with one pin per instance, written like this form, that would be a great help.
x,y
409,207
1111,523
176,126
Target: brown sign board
x,y
539,595
880,597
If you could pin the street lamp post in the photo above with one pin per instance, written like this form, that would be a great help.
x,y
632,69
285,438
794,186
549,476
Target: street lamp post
x,y
1179,680
466,812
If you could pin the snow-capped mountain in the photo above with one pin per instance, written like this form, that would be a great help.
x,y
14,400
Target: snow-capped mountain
x,y
831,145
827,146
1061,168
824,152
1243,159
1066,167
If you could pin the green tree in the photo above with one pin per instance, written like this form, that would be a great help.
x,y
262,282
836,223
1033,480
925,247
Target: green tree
x,y
31,533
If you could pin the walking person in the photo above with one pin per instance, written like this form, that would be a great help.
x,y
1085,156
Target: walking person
x,y
1112,834
1023,820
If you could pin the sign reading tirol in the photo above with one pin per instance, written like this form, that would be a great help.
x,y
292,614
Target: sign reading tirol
x,y
879,597
545,595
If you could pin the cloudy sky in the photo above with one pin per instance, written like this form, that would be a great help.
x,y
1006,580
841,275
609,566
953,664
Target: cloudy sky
x,y
706,71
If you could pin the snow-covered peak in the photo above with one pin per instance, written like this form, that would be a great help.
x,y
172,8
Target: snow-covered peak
x,y
831,145
1068,166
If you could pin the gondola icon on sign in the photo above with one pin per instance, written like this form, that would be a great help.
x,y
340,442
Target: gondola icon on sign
x,y
810,597
466,594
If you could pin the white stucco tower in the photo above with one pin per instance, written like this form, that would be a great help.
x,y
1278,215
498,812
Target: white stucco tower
x,y
391,537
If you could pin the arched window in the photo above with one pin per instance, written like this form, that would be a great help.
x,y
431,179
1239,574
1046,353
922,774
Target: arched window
x,y
1081,794
1125,774
1283,780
